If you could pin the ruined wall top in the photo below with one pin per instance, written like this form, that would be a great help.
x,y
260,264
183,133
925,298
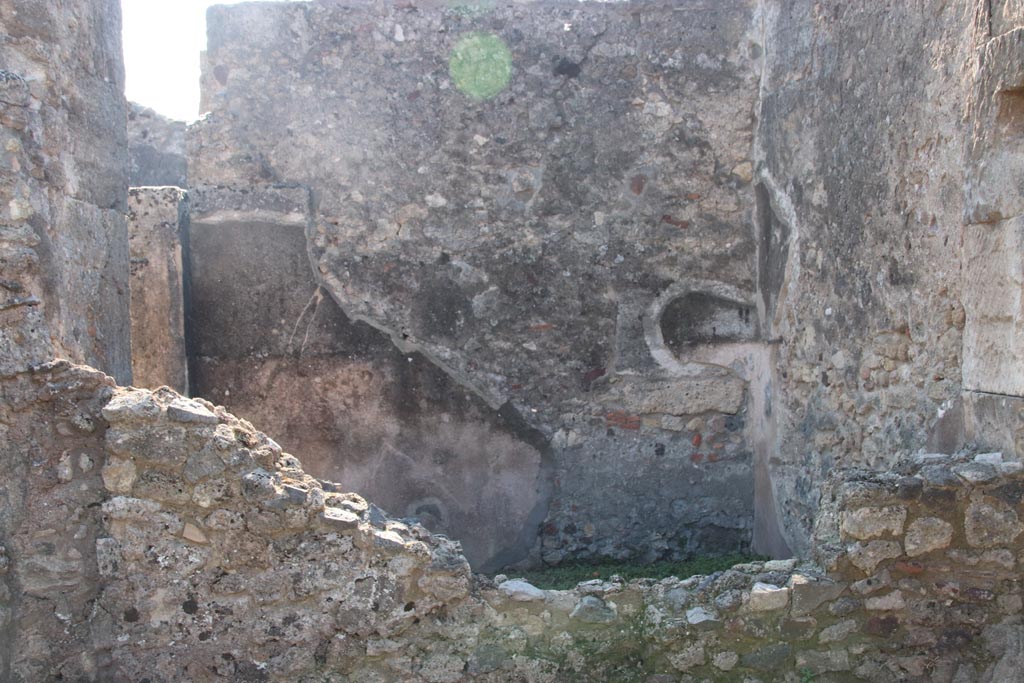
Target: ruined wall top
x,y
156,145
218,556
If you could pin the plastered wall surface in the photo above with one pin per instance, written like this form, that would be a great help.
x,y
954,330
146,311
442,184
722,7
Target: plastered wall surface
x,y
522,224
389,424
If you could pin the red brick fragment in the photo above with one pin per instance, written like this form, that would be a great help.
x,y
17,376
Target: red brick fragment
x,y
622,420
682,225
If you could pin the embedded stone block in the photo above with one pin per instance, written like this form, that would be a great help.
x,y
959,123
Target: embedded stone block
x,y
688,657
994,332
521,591
765,597
867,523
885,603
927,534
119,474
991,523
866,556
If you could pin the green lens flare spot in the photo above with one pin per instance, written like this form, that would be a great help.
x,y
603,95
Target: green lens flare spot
x,y
480,65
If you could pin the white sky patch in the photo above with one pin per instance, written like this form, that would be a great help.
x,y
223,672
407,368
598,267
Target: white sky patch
x,y
162,42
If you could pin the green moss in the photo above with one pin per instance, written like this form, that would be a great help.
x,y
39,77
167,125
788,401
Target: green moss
x,y
568,575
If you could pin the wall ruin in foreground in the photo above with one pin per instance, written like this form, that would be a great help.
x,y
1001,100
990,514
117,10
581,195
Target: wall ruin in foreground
x,y
211,555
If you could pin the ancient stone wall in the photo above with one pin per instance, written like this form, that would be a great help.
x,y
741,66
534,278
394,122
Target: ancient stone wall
x,y
50,493
63,242
63,293
835,329
552,204
861,146
157,237
148,536
218,557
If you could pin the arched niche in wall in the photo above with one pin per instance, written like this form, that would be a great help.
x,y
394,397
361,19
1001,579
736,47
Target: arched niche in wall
x,y
698,313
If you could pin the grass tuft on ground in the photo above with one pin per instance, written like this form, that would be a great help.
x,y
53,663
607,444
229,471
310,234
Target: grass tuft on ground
x,y
567,576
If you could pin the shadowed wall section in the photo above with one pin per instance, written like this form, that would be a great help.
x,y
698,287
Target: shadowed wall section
x,y
272,344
